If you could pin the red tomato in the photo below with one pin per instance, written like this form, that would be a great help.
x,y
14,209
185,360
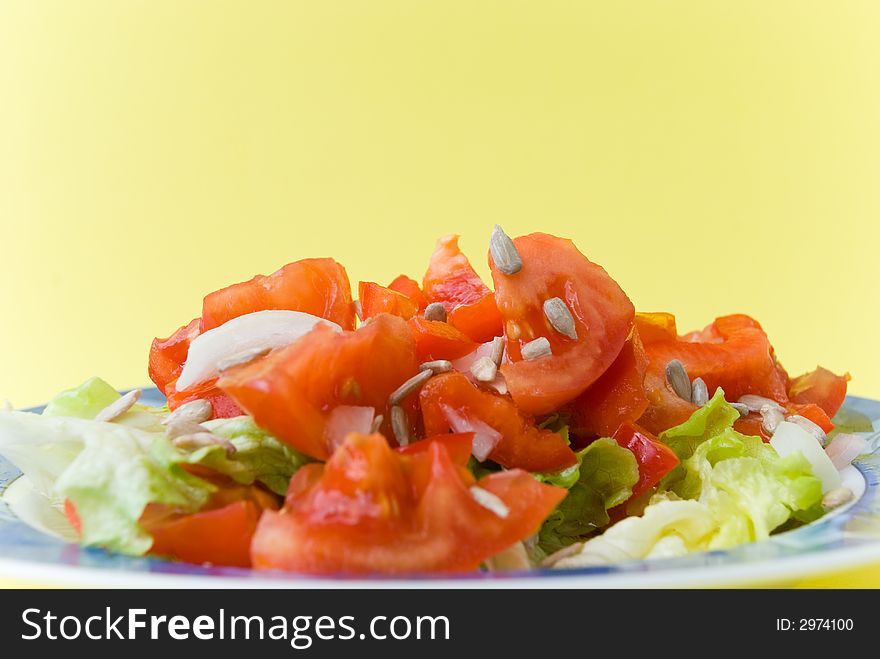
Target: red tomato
x,y
292,392
224,407
751,425
820,387
451,281
316,286
72,516
362,514
654,327
814,413
377,299
655,459
438,340
168,355
521,444
732,353
603,315
618,396
410,288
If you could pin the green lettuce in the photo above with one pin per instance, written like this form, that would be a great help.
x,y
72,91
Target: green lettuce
x,y
92,396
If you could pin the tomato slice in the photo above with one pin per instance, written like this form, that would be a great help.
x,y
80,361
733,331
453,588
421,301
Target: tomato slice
x,y
656,326
224,407
409,287
168,355
377,299
292,392
438,340
361,513
451,396
603,315
316,286
814,413
452,281
733,353
655,458
820,387
618,396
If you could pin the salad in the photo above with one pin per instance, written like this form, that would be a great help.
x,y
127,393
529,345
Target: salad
x,y
442,426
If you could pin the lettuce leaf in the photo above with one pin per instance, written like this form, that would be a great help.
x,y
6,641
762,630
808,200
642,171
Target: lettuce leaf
x,y
92,396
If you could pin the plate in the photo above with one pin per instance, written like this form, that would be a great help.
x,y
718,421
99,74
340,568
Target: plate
x,y
848,538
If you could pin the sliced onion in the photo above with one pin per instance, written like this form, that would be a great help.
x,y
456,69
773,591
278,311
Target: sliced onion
x,y
845,448
345,419
463,365
486,438
261,330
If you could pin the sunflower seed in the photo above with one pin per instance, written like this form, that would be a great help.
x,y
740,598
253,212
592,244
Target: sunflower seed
x,y
377,423
202,439
408,387
771,418
837,497
436,366
678,379
195,411
565,552
490,501
755,402
119,406
497,354
504,252
742,408
484,369
400,425
435,311
241,358
809,426
359,310
536,349
183,427
560,317
699,392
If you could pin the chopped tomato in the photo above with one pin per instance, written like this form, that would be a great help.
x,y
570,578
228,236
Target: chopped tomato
x,y
361,513
72,516
292,392
602,313
654,327
618,396
316,286
452,281
224,407
168,355
751,425
438,340
821,387
655,458
732,353
450,399
377,299
814,413
409,287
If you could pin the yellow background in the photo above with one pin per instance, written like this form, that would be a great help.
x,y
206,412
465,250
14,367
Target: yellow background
x,y
713,156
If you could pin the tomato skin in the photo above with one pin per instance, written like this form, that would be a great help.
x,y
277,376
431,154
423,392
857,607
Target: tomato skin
x,y
362,514
618,396
168,355
377,299
655,458
603,315
316,286
224,407
452,281
292,392
409,287
820,387
438,340
522,445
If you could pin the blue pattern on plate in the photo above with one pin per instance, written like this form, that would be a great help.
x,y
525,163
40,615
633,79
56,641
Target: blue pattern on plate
x,y
859,526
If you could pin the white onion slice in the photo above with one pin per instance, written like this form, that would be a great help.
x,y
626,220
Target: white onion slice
x,y
260,330
463,365
791,438
485,436
845,448
345,419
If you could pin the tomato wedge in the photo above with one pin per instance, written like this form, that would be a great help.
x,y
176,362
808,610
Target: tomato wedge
x,y
452,281
377,299
438,340
292,392
224,407
168,355
450,399
655,458
362,513
409,287
820,387
603,316
316,286
618,396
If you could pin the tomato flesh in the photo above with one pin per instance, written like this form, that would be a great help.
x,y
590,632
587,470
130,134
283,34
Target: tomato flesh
x,y
603,316
521,444
409,287
377,299
361,513
438,340
223,406
168,355
655,458
820,387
